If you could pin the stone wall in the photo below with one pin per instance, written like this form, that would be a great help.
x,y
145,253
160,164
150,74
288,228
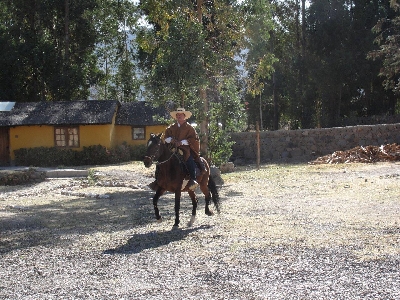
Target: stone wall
x,y
308,144
23,176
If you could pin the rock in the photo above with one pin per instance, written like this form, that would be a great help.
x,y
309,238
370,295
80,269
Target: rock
x,y
215,173
227,167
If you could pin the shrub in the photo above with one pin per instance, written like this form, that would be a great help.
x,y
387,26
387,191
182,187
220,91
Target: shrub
x,y
44,157
92,155
138,152
121,153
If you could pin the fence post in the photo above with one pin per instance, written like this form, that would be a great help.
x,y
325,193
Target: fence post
x,y
258,144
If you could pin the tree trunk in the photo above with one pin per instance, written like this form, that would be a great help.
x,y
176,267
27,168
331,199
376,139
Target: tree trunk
x,y
203,97
66,75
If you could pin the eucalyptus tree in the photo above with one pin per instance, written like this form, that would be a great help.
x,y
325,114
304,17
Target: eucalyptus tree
x,y
328,34
116,22
47,49
259,57
188,56
292,81
340,37
387,29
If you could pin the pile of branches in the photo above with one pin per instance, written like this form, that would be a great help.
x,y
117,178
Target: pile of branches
x,y
360,154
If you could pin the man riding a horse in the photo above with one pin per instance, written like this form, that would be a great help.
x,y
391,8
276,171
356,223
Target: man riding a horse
x,y
183,136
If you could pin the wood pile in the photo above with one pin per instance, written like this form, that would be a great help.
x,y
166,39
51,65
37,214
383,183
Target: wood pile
x,y
360,154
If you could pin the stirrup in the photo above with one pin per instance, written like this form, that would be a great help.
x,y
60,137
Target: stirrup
x,y
192,184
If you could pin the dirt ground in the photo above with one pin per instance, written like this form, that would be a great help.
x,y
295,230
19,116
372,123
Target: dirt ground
x,y
293,231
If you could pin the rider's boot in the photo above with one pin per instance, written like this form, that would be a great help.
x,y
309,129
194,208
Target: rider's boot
x,y
201,165
191,165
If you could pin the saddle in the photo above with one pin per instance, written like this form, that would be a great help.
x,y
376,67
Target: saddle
x,y
179,153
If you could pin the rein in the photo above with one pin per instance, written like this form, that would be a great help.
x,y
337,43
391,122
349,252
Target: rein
x,y
162,162
155,154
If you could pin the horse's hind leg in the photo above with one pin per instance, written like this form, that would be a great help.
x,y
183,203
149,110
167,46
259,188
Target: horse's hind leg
x,y
194,209
207,194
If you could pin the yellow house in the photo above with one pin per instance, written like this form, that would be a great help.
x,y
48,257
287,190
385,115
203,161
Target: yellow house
x,y
135,122
75,124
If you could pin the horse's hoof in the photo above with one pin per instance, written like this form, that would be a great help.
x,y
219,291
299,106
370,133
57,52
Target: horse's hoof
x,y
175,227
191,222
209,213
159,220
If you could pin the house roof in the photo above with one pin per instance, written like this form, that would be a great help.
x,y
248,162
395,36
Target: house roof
x,y
60,113
82,112
140,114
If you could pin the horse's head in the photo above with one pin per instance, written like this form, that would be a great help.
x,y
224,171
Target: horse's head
x,y
153,149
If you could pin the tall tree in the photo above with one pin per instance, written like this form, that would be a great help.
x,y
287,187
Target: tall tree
x,y
48,49
260,56
339,34
116,51
388,39
186,59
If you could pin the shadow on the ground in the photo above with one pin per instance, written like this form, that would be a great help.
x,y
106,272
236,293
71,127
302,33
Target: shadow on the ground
x,y
49,224
153,239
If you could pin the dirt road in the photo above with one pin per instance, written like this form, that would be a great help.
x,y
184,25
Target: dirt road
x,y
285,232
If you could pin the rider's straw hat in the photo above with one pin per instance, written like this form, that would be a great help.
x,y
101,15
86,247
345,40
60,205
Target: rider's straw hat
x,y
181,110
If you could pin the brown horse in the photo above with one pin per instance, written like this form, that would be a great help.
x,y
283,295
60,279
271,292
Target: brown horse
x,y
172,176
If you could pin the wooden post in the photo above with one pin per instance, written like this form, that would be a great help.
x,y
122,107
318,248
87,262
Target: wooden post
x,y
258,144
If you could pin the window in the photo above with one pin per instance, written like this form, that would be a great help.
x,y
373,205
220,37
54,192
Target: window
x,y
67,137
138,133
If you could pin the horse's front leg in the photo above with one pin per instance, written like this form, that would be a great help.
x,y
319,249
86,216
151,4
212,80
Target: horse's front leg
x,y
157,196
192,195
177,207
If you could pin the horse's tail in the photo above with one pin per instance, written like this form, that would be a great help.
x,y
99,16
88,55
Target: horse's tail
x,y
214,193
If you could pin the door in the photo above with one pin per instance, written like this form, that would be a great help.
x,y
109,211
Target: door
x,y
4,146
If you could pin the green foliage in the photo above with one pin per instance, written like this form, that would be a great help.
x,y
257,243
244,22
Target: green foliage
x,y
92,155
95,155
189,56
302,68
220,146
115,51
260,58
92,177
177,66
47,50
44,157
138,152
388,38
226,116
121,153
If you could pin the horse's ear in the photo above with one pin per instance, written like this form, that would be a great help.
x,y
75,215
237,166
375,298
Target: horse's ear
x,y
159,136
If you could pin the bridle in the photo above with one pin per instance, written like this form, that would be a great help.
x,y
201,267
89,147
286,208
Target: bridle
x,y
152,157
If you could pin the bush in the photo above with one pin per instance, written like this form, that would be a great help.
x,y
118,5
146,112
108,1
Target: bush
x,y
44,157
121,153
138,152
92,155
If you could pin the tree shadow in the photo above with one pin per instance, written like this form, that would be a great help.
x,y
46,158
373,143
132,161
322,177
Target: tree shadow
x,y
48,224
59,221
139,242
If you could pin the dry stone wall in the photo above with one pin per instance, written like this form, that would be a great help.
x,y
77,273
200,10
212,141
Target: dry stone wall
x,y
308,144
17,177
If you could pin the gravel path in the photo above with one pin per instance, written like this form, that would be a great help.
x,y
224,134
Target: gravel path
x,y
285,232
